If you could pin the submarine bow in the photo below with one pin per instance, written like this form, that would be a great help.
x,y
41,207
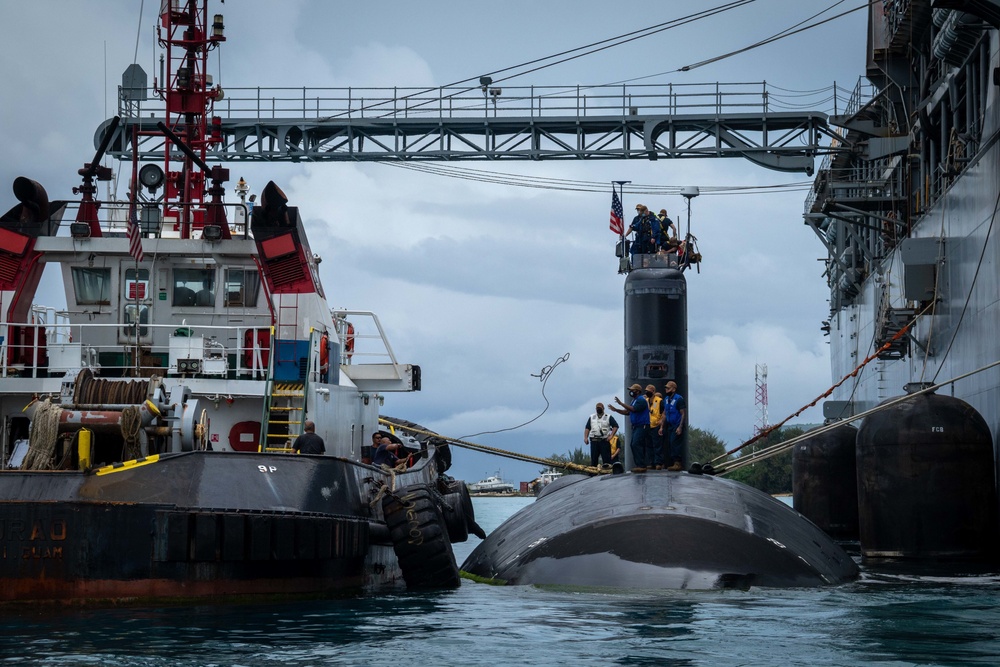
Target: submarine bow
x,y
660,531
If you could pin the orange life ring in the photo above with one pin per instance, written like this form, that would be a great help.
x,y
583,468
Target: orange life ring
x,y
349,341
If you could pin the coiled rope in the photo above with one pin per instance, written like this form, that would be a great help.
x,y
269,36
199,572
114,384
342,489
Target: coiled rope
x,y
88,390
131,423
42,437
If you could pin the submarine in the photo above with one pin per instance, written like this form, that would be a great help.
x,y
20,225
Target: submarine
x,y
658,529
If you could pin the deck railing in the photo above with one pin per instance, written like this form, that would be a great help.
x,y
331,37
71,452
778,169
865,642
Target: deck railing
x,y
501,101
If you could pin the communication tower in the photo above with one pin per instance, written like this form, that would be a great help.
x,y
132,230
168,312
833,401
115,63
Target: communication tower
x,y
760,397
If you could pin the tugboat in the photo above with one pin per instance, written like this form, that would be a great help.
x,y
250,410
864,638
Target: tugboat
x,y
148,428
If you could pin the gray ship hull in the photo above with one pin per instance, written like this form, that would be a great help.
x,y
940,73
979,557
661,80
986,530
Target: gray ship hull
x,y
908,213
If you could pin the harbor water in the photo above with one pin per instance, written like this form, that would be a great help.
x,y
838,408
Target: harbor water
x,y
883,619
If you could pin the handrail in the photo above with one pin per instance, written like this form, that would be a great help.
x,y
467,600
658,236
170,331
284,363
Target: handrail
x,y
352,103
113,218
363,333
66,347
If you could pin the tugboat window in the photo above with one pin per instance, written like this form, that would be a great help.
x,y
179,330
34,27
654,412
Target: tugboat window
x,y
92,287
194,287
242,287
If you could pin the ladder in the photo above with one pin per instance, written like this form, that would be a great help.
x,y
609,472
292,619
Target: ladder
x,y
284,415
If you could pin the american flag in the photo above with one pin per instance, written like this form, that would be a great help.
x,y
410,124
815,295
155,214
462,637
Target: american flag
x,y
134,235
617,224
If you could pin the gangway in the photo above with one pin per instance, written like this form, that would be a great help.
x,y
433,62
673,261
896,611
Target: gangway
x,y
746,120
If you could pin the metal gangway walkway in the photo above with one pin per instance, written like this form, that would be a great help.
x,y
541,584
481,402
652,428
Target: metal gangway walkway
x,y
750,120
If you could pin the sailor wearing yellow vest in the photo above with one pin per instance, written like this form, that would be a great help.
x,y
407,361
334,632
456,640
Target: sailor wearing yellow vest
x,y
655,400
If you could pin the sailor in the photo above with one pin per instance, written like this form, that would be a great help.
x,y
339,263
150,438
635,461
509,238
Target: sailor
x,y
638,412
646,230
387,453
309,442
668,239
600,428
675,410
655,400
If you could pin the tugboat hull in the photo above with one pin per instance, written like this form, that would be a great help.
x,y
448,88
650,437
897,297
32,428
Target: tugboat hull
x,y
198,524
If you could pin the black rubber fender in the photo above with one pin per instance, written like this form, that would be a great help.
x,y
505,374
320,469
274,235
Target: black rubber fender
x,y
420,538
459,488
454,518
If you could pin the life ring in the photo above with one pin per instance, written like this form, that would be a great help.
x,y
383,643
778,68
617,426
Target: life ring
x,y
420,538
349,341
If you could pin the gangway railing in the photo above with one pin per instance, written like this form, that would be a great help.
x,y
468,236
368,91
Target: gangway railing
x,y
777,128
495,101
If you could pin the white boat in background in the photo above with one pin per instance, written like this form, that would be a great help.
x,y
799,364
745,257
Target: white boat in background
x,y
549,476
545,478
492,484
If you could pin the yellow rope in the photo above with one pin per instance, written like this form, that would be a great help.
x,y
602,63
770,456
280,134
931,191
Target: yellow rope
x,y
774,427
780,447
575,467
42,437
131,423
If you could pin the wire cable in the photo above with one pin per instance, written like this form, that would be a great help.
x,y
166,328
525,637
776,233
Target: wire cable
x,y
776,37
594,47
543,375
559,184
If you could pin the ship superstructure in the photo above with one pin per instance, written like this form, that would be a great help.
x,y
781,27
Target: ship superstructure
x,y
908,216
908,219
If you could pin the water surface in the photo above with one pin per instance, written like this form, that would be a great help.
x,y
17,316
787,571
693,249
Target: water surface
x,y
883,619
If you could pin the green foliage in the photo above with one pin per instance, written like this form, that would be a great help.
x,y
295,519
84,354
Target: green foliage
x,y
704,446
773,475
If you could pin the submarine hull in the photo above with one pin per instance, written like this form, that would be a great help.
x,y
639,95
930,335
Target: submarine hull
x,y
659,530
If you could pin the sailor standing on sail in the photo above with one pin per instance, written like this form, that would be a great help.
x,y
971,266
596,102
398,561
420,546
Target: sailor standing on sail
x,y
638,412
600,428
675,410
646,228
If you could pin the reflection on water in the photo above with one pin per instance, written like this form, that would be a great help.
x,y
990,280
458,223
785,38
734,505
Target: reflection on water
x,y
886,618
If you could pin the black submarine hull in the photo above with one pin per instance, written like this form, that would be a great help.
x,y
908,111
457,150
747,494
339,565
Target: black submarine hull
x,y
659,530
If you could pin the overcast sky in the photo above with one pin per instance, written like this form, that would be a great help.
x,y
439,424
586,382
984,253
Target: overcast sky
x,y
481,284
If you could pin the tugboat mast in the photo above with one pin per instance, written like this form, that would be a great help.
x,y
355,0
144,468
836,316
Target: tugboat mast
x,y
189,97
